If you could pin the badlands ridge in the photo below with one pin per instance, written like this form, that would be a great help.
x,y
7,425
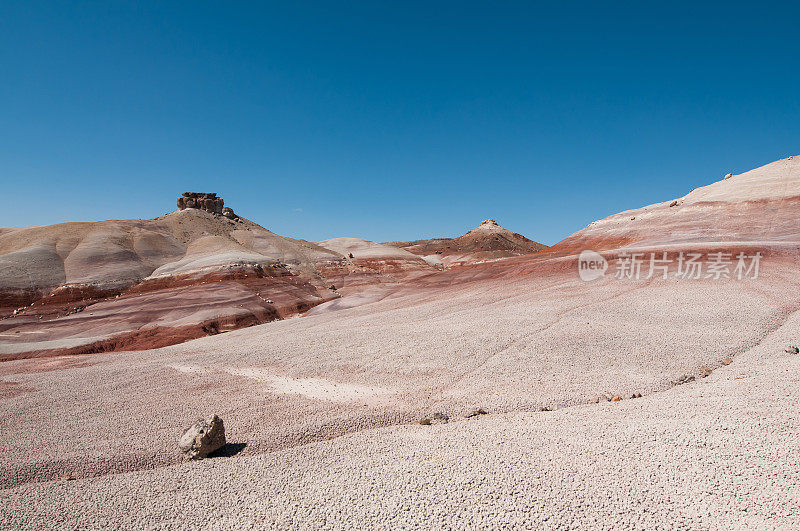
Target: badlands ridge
x,y
77,288
323,412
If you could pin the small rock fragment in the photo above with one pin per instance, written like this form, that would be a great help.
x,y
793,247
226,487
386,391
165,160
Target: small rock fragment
x,y
636,395
440,418
424,422
616,398
705,371
674,203
728,176
727,361
203,437
475,413
793,350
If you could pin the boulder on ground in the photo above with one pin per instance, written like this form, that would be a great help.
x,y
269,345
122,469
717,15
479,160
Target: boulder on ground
x,y
203,437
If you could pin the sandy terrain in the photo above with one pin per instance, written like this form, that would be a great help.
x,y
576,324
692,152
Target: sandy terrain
x,y
321,411
717,452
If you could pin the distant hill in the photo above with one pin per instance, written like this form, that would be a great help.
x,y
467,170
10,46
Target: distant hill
x,y
488,241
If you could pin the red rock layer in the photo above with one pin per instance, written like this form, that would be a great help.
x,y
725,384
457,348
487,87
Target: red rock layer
x,y
158,312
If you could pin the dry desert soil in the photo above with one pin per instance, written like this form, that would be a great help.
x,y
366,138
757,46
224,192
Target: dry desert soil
x,y
323,410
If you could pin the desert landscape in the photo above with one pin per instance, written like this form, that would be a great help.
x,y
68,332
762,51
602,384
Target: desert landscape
x,y
460,382
382,265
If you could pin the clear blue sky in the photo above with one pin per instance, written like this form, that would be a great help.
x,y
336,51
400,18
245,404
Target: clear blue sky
x,y
384,120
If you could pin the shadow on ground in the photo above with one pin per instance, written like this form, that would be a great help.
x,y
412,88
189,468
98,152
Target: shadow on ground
x,y
229,450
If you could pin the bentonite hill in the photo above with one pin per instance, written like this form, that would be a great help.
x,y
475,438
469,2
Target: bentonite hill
x,y
78,288
110,285
500,393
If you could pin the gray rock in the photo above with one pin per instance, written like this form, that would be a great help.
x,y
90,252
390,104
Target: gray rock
x,y
440,418
203,437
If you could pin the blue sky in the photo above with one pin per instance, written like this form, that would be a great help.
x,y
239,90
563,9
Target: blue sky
x,y
388,121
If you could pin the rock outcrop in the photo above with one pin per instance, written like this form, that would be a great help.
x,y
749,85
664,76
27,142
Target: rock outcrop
x,y
203,201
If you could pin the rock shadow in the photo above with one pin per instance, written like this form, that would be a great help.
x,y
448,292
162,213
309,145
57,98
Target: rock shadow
x,y
229,450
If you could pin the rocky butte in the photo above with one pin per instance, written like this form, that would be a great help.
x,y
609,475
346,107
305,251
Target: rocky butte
x,y
205,201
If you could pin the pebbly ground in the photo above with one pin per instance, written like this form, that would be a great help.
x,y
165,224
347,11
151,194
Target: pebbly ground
x,y
308,396
718,453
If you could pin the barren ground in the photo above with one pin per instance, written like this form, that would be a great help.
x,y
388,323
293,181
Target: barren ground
x,y
304,401
321,411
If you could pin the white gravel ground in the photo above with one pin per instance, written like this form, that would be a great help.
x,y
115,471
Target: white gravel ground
x,y
718,453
